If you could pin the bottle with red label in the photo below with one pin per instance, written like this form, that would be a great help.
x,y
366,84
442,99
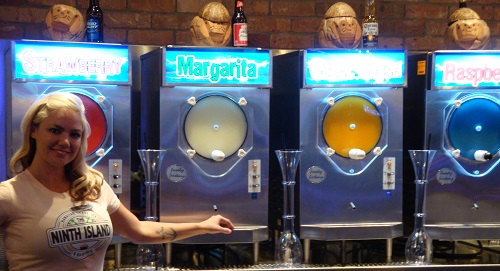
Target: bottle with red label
x,y
239,23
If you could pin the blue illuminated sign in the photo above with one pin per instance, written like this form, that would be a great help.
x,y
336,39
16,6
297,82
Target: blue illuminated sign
x,y
466,69
335,67
76,62
217,66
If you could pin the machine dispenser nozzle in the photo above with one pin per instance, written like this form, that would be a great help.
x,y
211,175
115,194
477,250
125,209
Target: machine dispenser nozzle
x,y
482,155
218,155
352,205
357,154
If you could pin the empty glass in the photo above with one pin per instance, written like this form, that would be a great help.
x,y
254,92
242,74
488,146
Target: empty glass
x,y
288,249
151,256
419,245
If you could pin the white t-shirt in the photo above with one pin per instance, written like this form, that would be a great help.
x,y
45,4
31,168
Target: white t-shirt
x,y
44,230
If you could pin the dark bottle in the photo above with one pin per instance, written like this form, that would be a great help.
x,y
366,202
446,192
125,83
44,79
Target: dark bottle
x,y
239,24
95,25
462,3
370,26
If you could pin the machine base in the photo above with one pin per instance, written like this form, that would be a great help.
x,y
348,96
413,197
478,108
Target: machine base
x,y
463,231
332,232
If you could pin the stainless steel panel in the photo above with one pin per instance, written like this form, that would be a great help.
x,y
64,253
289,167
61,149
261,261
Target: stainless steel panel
x,y
191,187
349,201
462,194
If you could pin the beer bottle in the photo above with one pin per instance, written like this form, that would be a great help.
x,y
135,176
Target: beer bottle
x,y
462,3
239,24
370,26
94,21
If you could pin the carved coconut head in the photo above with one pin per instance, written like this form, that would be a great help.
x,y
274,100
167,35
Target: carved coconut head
x,y
64,23
340,28
212,26
466,30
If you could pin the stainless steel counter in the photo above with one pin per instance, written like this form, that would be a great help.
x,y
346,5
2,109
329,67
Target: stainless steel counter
x,y
391,267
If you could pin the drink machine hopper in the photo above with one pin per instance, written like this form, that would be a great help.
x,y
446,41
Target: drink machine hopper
x,y
98,73
209,109
343,108
462,109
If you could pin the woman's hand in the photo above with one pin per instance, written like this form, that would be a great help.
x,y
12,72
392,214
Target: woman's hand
x,y
217,224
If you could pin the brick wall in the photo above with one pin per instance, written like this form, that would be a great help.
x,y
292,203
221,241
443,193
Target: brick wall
x,y
286,24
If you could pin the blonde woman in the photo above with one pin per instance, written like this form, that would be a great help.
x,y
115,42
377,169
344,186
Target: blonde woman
x,y
57,212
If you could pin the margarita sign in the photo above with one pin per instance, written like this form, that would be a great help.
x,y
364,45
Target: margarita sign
x,y
190,66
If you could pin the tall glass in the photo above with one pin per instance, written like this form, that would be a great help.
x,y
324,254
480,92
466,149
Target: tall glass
x,y
419,245
151,256
288,249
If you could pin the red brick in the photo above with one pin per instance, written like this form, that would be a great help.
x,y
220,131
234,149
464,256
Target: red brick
x,y
115,35
292,41
127,19
269,24
193,6
424,44
255,7
177,21
402,28
436,28
414,11
51,2
261,40
390,43
389,11
153,5
150,37
23,15
307,25
292,8
183,38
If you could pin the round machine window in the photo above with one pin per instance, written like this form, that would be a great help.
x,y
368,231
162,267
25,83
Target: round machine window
x,y
352,122
474,126
215,124
97,121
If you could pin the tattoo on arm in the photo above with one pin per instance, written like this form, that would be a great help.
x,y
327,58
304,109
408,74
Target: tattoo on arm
x,y
165,234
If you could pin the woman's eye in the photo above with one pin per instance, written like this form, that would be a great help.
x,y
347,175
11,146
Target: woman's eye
x,y
55,131
76,135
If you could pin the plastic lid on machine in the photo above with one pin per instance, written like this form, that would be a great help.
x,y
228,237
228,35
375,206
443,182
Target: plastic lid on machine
x,y
215,127
97,121
474,127
351,126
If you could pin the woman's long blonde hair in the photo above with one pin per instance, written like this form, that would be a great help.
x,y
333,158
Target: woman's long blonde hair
x,y
86,182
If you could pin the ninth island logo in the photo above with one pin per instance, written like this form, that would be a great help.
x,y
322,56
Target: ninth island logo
x,y
79,233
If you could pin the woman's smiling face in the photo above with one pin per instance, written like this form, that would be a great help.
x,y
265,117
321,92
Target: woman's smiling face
x,y
58,138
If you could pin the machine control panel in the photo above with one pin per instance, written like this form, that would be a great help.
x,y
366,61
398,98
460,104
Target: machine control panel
x,y
115,175
254,176
389,171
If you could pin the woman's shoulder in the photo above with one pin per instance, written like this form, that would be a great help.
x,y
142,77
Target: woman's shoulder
x,y
19,178
15,183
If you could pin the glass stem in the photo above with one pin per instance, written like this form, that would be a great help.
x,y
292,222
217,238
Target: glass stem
x,y
288,211
151,214
420,186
